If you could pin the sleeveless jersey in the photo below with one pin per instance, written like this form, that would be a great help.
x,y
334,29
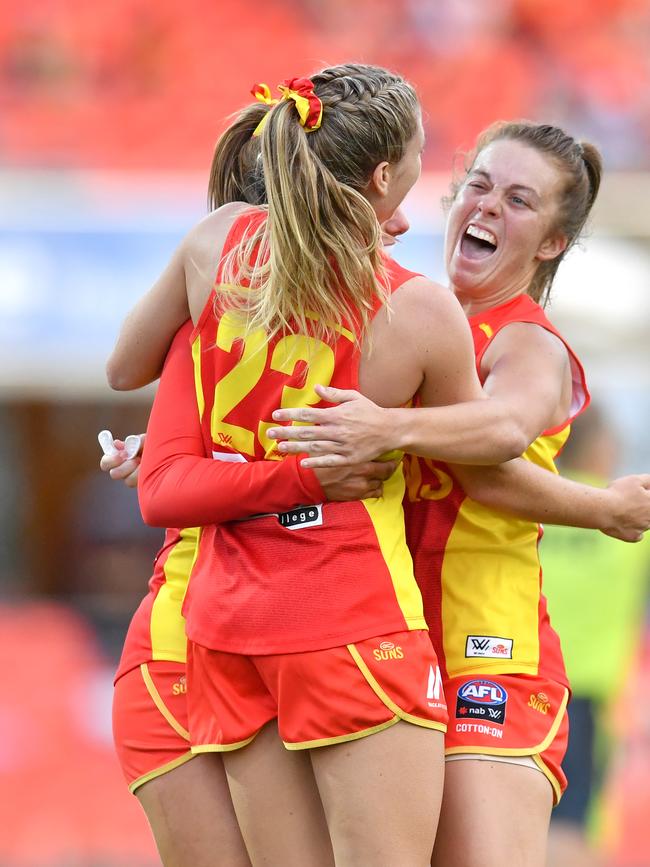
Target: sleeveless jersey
x,y
479,569
316,577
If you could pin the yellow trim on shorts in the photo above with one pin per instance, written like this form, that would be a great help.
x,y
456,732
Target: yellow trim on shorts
x,y
382,696
340,739
223,748
163,769
550,776
522,751
160,704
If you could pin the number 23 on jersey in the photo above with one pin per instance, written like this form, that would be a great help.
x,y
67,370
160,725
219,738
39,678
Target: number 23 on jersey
x,y
236,417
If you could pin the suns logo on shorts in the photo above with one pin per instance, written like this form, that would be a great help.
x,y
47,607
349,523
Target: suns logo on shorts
x,y
540,702
387,650
180,687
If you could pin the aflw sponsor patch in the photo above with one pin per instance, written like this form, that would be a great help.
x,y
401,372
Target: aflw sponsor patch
x,y
490,646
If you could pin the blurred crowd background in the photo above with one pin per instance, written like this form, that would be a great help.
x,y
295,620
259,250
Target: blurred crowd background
x,y
108,117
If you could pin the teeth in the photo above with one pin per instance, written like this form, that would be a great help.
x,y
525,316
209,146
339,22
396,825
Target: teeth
x,y
481,234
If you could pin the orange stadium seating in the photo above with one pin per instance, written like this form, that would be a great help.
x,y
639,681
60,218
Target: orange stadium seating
x,y
143,85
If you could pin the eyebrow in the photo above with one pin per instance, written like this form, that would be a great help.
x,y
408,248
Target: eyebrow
x,y
487,176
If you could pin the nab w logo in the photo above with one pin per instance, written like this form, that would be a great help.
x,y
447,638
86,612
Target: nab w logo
x,y
480,643
434,686
225,438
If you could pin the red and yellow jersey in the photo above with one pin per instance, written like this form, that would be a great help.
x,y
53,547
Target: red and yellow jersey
x,y
315,577
174,467
157,629
479,569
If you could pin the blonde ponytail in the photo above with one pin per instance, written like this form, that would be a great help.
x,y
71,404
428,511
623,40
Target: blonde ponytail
x,y
315,263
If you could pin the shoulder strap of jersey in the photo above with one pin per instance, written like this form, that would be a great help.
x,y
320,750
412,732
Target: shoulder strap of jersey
x,y
397,275
251,217
243,223
524,309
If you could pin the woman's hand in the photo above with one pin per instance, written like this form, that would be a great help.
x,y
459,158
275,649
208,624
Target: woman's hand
x,y
122,462
630,508
353,432
358,482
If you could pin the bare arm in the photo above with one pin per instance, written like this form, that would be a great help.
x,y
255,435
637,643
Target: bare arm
x,y
527,367
529,492
180,292
148,330
523,361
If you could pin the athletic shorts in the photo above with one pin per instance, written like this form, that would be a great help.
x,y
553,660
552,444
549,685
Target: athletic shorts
x,y
510,715
150,721
581,762
320,697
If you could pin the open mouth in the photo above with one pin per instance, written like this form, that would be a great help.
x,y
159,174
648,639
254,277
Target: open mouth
x,y
477,243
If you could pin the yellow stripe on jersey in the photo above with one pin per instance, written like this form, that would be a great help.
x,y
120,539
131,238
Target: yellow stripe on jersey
x,y
344,332
387,518
546,448
491,581
167,627
198,385
486,329
487,592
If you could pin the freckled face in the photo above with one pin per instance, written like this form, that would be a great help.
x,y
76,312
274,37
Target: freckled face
x,y
500,225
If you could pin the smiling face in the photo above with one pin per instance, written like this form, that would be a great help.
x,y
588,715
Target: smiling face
x,y
501,224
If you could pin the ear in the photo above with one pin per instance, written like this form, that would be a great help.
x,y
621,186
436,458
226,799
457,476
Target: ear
x,y
380,179
551,248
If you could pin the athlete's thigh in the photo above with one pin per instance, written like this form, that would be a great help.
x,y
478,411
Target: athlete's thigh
x,y
277,803
191,815
493,814
382,794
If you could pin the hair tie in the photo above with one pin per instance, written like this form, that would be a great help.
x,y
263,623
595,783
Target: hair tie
x,y
301,91
310,108
262,92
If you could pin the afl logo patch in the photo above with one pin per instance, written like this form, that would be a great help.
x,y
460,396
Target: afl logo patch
x,y
483,692
484,699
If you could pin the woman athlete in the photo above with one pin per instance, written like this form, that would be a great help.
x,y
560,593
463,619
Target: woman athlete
x,y
242,650
525,198
188,805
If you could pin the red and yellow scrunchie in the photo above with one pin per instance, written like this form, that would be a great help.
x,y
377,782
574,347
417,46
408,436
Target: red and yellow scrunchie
x,y
262,92
301,91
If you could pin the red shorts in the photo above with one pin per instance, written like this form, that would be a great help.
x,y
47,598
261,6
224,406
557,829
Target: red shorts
x,y
510,715
320,697
150,721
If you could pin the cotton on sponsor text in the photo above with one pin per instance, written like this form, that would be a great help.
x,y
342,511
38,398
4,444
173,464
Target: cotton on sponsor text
x,y
480,729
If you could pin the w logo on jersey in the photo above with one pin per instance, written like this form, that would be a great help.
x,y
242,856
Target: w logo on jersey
x,y
435,697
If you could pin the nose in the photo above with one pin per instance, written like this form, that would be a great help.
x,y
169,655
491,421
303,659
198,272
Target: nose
x,y
395,226
489,203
